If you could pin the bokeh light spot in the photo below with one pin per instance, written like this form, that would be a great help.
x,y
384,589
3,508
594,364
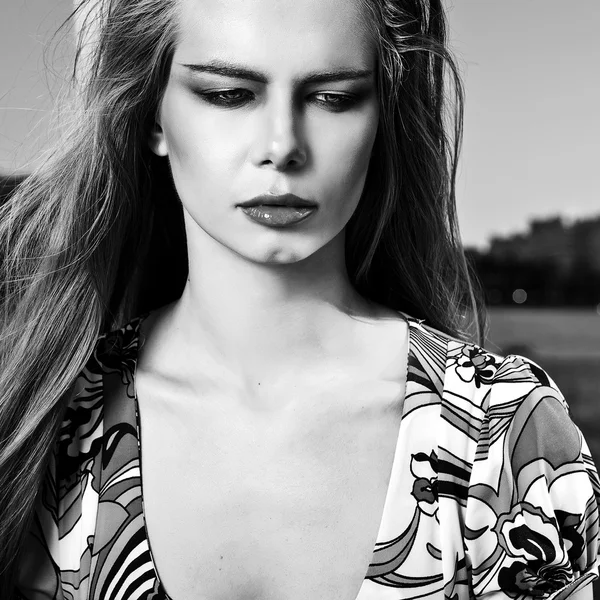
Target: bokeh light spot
x,y
519,296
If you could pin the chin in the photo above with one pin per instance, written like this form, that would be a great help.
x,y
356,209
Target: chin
x,y
276,254
268,250
281,256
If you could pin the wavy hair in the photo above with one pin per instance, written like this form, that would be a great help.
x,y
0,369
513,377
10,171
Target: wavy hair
x,y
80,239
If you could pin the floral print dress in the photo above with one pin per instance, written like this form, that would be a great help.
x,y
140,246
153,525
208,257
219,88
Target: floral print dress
x,y
492,494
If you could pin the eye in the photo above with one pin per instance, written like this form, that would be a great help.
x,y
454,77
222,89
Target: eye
x,y
237,97
227,98
335,101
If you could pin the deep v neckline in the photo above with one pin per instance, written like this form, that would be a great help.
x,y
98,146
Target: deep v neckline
x,y
396,460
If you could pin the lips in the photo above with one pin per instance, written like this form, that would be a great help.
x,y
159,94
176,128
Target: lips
x,y
278,211
290,200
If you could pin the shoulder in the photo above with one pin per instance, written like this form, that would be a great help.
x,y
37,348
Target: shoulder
x,y
499,406
483,396
114,356
118,348
476,371
114,352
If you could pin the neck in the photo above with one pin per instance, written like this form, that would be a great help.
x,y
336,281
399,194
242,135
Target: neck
x,y
249,314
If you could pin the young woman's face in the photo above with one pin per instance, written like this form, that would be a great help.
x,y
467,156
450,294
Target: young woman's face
x,y
269,96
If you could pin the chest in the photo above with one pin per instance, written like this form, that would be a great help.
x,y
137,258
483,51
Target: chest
x,y
276,504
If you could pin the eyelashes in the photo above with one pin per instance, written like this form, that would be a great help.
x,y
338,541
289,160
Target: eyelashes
x,y
238,97
227,98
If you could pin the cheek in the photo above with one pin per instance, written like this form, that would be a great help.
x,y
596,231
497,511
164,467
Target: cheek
x,y
199,146
349,153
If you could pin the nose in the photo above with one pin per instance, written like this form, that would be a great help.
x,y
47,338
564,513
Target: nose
x,y
278,141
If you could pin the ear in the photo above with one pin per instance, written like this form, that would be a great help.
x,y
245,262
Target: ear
x,y
157,141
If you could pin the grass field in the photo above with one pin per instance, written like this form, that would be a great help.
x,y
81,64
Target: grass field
x,y
560,333
565,343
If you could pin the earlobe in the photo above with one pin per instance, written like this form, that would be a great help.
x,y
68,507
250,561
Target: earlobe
x,y
157,141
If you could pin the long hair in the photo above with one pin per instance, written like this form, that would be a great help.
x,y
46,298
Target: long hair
x,y
403,244
71,242
81,238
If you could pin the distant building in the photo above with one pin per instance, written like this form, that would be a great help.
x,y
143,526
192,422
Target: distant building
x,y
585,236
551,241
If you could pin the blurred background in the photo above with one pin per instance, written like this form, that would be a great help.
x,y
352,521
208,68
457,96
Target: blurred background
x,y
529,185
528,188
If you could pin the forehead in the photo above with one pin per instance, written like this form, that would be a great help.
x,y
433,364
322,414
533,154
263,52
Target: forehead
x,y
275,35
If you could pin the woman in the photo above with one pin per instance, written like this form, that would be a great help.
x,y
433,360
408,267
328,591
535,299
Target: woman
x,y
302,435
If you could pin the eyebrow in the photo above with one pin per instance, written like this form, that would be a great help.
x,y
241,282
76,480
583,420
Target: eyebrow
x,y
227,69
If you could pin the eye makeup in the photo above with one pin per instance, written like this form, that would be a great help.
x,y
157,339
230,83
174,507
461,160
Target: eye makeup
x,y
332,101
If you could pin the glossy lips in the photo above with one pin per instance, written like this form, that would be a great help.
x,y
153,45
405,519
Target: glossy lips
x,y
278,211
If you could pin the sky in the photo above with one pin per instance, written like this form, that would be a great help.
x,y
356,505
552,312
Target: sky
x,y
532,129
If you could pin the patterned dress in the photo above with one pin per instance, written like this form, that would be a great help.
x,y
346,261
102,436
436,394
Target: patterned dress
x,y
492,494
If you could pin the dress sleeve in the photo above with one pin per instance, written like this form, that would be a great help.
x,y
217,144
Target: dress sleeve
x,y
532,509
55,557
